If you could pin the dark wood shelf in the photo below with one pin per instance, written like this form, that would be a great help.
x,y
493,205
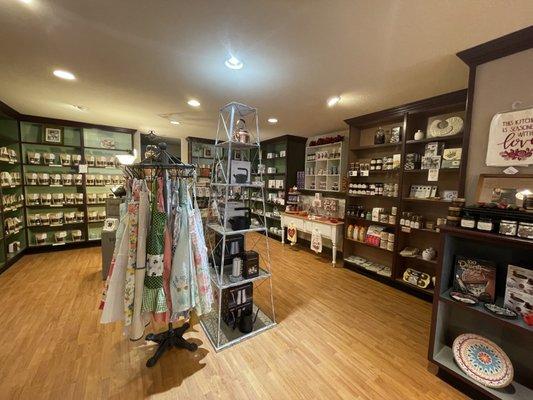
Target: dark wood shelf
x,y
368,245
375,146
415,200
373,196
437,139
418,171
422,290
492,237
370,222
53,145
419,258
479,309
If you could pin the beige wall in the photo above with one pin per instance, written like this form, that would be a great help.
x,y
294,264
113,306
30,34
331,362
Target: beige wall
x,y
499,83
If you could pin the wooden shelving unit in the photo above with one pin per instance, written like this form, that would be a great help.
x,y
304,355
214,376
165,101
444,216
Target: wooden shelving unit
x,y
409,117
286,167
451,318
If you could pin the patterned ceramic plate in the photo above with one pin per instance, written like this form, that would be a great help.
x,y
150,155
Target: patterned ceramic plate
x,y
482,360
500,311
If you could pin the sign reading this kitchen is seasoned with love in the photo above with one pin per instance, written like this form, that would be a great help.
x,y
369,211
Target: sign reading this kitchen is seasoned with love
x,y
511,139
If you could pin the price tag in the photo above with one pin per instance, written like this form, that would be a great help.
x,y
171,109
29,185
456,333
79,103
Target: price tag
x,y
82,169
406,229
365,172
510,171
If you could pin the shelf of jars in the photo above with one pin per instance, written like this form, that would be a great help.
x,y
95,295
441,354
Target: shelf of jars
x,y
405,168
12,221
325,164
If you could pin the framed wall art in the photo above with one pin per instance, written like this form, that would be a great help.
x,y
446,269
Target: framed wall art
x,y
53,135
511,138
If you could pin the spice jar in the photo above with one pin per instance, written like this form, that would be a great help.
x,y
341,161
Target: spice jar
x,y
485,225
452,221
468,222
508,228
525,230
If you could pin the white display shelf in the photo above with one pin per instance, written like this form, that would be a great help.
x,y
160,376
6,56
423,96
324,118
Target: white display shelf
x,y
225,281
219,229
515,391
228,336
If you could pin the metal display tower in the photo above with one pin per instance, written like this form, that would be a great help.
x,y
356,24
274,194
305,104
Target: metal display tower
x,y
236,149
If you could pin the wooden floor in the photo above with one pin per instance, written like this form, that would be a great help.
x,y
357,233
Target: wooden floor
x,y
340,335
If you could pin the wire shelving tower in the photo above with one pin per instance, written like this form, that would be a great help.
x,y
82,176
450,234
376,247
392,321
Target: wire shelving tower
x,y
225,189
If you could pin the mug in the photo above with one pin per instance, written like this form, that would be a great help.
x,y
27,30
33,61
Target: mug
x,y
49,158
80,216
101,161
46,199
76,159
65,159
31,178
78,179
55,179
66,179
40,238
43,179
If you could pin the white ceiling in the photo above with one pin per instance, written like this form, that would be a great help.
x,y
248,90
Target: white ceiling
x,y
136,59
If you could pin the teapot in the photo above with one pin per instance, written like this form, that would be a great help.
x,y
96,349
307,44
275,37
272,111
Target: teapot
x,y
241,135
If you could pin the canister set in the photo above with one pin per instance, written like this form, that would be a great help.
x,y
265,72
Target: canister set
x,y
63,159
10,179
54,199
373,189
103,180
56,219
46,179
101,161
98,198
96,215
59,237
8,155
12,201
12,225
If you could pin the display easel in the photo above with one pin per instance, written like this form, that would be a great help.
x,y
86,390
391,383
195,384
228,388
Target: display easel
x,y
159,162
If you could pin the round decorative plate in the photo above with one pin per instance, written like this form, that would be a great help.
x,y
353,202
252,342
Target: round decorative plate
x,y
500,311
482,360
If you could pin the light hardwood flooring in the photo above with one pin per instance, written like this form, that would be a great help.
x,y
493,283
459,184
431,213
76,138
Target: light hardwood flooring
x,y
339,335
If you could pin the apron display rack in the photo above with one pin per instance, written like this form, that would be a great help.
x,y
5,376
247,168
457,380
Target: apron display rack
x,y
159,162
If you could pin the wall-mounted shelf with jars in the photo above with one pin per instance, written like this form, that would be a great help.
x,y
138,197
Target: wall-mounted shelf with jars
x,y
404,168
325,163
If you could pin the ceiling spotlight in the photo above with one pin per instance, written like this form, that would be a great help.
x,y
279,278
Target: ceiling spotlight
x,y
175,122
193,103
272,120
64,74
333,100
25,1
234,63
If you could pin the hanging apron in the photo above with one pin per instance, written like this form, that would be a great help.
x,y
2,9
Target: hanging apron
x,y
181,276
153,296
113,302
139,321
316,241
203,292
292,234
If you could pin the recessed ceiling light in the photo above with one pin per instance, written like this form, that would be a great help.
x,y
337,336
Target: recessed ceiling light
x,y
175,122
234,63
64,74
80,108
25,1
272,120
193,103
333,100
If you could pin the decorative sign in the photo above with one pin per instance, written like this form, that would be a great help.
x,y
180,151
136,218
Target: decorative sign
x,y
511,139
